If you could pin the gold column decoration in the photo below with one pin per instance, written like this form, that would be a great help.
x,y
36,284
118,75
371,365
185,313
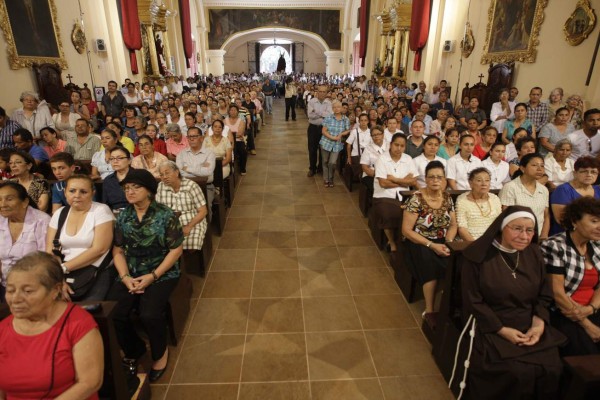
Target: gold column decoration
x,y
405,50
167,50
382,49
152,49
397,48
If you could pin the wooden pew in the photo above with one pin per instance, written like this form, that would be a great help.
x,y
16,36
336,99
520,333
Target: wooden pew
x,y
178,308
582,375
218,206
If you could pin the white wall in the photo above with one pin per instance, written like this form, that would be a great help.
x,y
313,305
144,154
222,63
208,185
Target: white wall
x,y
314,61
236,60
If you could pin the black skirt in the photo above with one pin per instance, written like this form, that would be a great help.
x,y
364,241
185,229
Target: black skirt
x,y
580,343
425,265
388,213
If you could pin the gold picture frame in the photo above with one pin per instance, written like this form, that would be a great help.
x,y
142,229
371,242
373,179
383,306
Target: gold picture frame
x,y
580,24
468,43
32,33
513,30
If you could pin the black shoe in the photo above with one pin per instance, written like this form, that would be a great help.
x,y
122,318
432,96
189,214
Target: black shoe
x,y
310,174
156,374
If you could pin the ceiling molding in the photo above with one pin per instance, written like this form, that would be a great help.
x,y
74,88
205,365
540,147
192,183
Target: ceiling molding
x,y
275,4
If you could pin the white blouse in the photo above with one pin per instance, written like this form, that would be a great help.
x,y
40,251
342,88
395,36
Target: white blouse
x,y
555,172
499,174
420,164
385,166
459,169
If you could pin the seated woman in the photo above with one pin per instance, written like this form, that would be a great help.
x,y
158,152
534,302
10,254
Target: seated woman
x,y
112,193
115,126
526,191
502,110
498,168
369,157
159,145
431,145
53,143
101,165
32,368
449,146
185,197
505,295
22,227
394,172
573,264
482,150
477,209
520,121
64,120
582,185
559,165
147,247
220,145
148,159
22,167
429,221
461,164
129,122
85,237
140,127
555,131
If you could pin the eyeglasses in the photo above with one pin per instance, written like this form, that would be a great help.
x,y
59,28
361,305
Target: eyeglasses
x,y
131,188
435,177
588,171
117,159
521,229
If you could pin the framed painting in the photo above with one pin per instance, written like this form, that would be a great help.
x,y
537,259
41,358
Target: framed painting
x,y
31,32
512,30
580,24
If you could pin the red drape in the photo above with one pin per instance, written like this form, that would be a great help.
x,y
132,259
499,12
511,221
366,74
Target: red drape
x,y
132,34
364,30
419,29
186,30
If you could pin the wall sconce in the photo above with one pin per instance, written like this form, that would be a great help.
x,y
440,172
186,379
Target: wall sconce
x,y
208,61
341,61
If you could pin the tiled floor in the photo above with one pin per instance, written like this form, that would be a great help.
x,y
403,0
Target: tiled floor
x,y
298,302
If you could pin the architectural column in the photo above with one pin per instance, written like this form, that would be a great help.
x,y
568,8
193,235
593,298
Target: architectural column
x,y
335,62
167,50
382,49
397,49
152,49
215,62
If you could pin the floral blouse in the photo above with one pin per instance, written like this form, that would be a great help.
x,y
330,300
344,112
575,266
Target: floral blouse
x,y
431,223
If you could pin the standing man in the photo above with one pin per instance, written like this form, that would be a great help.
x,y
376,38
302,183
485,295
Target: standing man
x,y
586,141
268,90
318,108
113,101
537,112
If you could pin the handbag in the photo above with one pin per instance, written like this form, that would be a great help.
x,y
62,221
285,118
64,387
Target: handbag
x,y
80,280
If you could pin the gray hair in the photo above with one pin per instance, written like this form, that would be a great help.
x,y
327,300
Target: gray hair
x,y
561,143
336,103
170,164
173,128
29,93
47,268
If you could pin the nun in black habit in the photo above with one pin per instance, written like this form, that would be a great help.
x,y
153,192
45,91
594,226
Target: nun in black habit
x,y
514,351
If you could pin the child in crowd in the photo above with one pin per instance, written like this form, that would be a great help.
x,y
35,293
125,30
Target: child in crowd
x,y
63,166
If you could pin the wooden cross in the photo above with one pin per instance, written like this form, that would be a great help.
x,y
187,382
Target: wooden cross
x,y
480,77
69,76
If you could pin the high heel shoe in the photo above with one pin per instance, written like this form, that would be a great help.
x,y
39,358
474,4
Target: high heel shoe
x,y
156,374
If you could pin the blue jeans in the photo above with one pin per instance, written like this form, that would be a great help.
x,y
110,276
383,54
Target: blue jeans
x,y
268,104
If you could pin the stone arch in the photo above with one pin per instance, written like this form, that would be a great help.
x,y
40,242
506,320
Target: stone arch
x,y
311,39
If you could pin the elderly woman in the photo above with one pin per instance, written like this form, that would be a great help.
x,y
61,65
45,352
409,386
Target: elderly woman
x,y
159,145
161,120
461,164
34,114
22,227
559,165
112,194
555,101
140,126
101,165
80,234
429,222
555,131
575,107
219,145
502,110
505,296
185,197
51,348
53,143
22,166
477,209
526,191
497,167
582,185
431,146
520,121
573,265
147,246
335,127
148,159
65,119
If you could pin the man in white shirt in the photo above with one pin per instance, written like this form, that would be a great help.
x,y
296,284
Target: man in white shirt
x,y
391,129
318,108
586,141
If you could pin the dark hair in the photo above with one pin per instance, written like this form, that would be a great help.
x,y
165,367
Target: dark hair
x,y
463,137
83,177
399,135
477,171
5,154
590,112
451,131
2,112
26,156
517,131
521,142
561,109
521,105
430,138
575,211
496,145
20,189
116,84
418,120
586,162
123,149
110,132
435,164
233,106
146,137
24,134
219,121
528,157
362,115
190,114
130,107
194,128
63,156
490,128
536,88
49,129
376,128
51,275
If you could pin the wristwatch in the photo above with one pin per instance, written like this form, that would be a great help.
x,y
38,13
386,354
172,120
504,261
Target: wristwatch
x,y
64,268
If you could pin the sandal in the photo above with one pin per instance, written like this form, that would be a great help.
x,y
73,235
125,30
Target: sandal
x,y
331,184
325,184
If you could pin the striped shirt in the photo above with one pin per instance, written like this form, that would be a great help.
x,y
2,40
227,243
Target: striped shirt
x,y
515,194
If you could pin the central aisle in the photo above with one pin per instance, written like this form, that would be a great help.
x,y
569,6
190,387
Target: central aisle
x,y
298,303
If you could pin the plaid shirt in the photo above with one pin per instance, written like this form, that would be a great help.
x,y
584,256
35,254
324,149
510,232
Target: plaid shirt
x,y
539,115
334,127
562,258
6,139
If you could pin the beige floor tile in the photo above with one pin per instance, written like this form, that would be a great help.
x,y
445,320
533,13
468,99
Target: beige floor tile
x,y
309,224
330,282
242,224
338,355
278,240
277,224
244,211
275,357
276,199
219,316
315,239
360,389
233,284
279,180
248,199
276,284
279,189
309,210
401,352
238,240
362,257
174,351
274,210
371,281
352,237
210,358
384,312
275,316
233,260
330,314
308,198
319,258
195,392
344,209
275,391
257,179
276,259
159,392
347,222
416,388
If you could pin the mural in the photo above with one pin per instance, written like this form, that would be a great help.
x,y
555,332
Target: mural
x,y
226,22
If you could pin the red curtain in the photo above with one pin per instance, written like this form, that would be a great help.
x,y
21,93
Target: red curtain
x,y
186,30
364,30
132,34
419,29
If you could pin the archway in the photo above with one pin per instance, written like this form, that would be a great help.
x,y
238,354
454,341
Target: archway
x,y
270,56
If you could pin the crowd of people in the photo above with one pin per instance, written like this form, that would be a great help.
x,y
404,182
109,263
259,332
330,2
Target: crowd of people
x,y
519,181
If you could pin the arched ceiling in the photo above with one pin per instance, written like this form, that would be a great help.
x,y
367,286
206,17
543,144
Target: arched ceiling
x,y
308,38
